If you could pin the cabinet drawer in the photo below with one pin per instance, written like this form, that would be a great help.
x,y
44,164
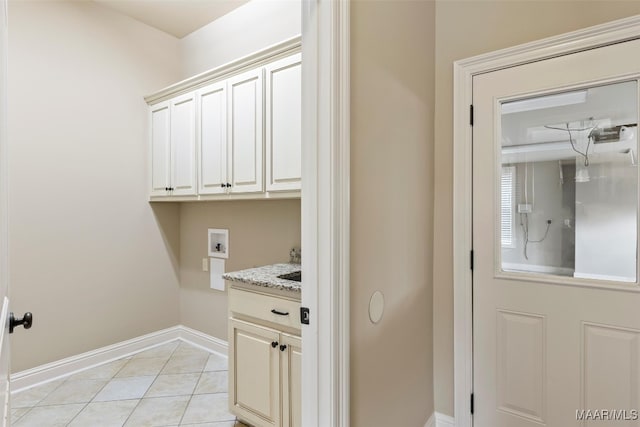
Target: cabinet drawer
x,y
260,306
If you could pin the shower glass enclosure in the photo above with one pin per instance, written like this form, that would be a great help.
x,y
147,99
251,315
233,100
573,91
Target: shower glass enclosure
x,y
569,183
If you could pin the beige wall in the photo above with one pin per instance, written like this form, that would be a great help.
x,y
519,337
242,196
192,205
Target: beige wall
x,y
392,98
251,27
89,256
260,232
464,29
101,253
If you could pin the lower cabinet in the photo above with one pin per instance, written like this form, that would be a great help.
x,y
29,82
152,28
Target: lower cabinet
x,y
264,374
291,376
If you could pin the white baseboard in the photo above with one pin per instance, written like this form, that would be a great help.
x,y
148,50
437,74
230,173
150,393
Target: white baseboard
x,y
71,365
200,339
431,422
439,420
443,420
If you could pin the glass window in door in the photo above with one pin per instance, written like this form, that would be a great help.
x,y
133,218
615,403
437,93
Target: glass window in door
x,y
569,183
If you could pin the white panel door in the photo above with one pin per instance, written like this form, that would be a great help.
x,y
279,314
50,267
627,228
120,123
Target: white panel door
x,y
254,369
5,409
283,123
160,149
212,127
556,324
291,363
245,132
183,145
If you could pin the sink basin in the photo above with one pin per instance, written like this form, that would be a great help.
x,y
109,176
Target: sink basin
x,y
296,276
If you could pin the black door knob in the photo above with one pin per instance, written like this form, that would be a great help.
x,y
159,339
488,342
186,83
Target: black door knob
x,y
283,347
26,321
274,344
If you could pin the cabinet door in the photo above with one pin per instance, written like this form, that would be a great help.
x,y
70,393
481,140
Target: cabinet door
x,y
291,368
160,148
183,145
212,126
254,373
283,123
245,132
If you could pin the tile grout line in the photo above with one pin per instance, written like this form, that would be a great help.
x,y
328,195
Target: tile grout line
x,y
105,384
98,392
43,398
152,382
194,391
90,400
181,349
39,405
69,378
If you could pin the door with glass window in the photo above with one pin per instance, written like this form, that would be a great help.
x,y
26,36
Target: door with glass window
x,y
556,301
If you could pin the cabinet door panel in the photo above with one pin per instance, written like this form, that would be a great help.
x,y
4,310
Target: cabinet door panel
x,y
245,132
212,101
183,145
160,148
291,360
283,123
254,369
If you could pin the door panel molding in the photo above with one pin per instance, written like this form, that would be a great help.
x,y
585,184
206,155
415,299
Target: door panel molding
x,y
602,344
464,71
517,333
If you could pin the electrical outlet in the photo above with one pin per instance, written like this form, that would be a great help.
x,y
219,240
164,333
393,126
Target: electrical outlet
x,y
205,264
525,208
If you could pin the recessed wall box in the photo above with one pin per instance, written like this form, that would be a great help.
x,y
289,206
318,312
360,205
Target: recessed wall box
x,y
218,243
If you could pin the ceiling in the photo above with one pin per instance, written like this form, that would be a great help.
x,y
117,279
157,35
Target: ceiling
x,y
176,17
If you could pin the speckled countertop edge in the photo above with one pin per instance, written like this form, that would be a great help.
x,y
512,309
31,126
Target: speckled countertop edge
x,y
267,276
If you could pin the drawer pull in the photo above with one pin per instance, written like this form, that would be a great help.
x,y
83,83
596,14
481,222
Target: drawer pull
x,y
279,313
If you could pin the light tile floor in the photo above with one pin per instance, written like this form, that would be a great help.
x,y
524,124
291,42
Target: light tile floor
x,y
174,384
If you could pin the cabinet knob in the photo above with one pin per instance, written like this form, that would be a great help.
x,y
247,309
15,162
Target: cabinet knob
x,y
274,344
283,347
228,185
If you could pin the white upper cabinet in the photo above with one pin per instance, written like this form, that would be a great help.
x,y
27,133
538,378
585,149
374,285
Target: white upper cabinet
x,y
245,132
173,149
160,149
183,146
212,127
237,137
283,123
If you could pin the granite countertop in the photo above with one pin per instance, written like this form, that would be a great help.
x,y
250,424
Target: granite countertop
x,y
267,276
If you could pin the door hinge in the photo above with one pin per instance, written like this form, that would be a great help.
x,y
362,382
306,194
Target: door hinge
x,y
471,403
471,259
471,115
304,315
